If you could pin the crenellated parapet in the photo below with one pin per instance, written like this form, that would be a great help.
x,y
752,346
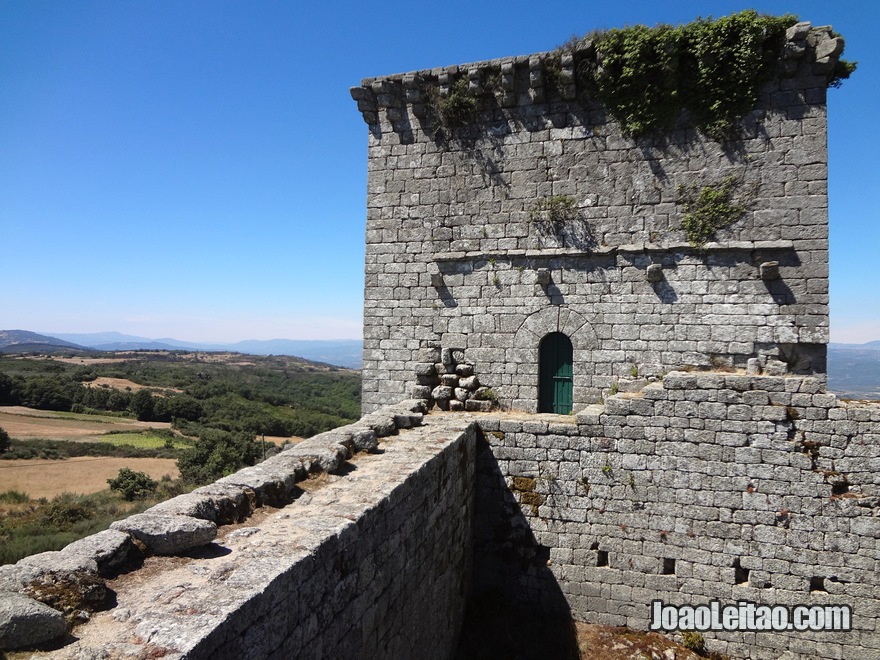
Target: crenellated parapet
x,y
531,84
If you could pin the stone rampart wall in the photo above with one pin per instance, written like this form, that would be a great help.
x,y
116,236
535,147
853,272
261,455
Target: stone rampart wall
x,y
705,486
318,552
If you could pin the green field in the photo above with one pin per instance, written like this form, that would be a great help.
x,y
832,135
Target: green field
x,y
146,440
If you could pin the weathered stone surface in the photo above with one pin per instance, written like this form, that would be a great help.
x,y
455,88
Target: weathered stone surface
x,y
421,391
442,393
25,622
470,383
290,463
365,440
272,484
232,503
621,278
60,562
347,543
187,504
425,369
110,549
464,370
478,406
449,380
320,457
15,577
168,535
382,425
69,583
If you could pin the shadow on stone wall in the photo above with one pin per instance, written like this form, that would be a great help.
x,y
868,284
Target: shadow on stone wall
x,y
516,608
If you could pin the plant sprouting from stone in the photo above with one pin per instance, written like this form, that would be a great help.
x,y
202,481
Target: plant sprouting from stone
x,y
708,209
551,214
459,107
714,69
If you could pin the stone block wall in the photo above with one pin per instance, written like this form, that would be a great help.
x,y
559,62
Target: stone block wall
x,y
373,561
461,252
705,486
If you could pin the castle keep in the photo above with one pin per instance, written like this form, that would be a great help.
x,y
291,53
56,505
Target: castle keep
x,y
533,222
594,377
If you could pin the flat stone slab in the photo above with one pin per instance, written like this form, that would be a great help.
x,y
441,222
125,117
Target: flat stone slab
x,y
110,549
60,562
168,535
25,622
188,504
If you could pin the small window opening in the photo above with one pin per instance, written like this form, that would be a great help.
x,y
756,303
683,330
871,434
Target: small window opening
x,y
740,574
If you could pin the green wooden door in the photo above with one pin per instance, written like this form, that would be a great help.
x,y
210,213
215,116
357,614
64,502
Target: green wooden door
x,y
555,374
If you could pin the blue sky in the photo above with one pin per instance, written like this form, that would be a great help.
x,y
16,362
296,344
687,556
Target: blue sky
x,y
197,170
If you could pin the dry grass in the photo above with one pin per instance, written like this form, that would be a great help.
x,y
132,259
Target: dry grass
x,y
25,424
125,384
73,360
280,440
83,474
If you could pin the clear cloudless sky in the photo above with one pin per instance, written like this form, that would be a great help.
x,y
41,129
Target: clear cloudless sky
x,y
197,169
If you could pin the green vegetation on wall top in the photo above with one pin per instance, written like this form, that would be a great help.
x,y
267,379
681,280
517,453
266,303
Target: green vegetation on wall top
x,y
713,69
710,70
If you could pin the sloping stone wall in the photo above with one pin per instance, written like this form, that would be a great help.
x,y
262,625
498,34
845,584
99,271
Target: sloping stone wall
x,y
459,252
705,486
371,558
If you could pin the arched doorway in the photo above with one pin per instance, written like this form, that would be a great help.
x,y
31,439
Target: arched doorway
x,y
555,374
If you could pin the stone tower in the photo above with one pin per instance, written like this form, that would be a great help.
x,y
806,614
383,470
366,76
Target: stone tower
x,y
513,225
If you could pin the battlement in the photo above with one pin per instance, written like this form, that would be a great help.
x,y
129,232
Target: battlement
x,y
531,82
706,485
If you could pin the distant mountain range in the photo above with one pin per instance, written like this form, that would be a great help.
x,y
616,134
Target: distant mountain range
x,y
853,369
869,346
340,352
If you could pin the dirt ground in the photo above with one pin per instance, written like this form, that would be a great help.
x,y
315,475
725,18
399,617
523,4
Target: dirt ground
x,y
82,475
26,423
125,384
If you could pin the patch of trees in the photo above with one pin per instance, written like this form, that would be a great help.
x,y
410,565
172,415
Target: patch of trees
x,y
257,395
61,449
217,454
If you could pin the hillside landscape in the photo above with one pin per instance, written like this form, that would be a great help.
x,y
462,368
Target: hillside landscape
x,y
339,352
149,424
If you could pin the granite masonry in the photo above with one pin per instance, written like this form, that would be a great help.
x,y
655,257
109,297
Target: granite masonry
x,y
537,223
540,217
327,550
527,262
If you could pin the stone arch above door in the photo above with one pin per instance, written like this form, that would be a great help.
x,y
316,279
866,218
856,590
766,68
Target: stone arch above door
x,y
527,340
556,319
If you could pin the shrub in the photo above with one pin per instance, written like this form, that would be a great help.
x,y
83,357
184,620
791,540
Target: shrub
x,y
216,454
65,510
4,440
132,484
14,497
